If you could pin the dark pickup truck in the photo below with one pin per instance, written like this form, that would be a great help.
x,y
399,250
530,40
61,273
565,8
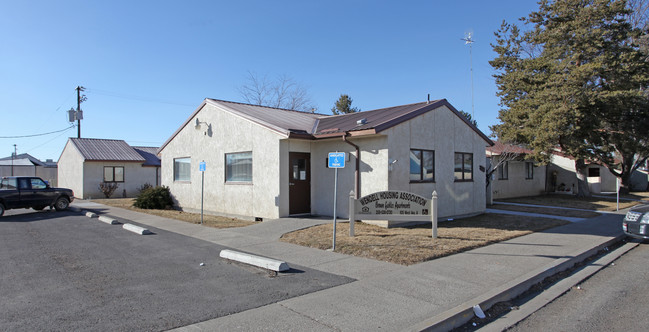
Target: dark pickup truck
x,y
21,192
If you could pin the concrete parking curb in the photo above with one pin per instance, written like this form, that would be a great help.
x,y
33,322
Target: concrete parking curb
x,y
461,314
136,229
108,220
91,215
263,262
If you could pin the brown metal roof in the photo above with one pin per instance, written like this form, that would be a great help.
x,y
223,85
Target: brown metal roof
x,y
295,124
381,119
106,150
498,148
278,119
149,153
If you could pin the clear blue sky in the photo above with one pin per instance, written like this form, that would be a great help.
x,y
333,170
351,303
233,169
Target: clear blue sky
x,y
148,64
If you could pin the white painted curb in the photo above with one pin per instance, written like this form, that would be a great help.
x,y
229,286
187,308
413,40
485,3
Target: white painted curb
x,y
263,262
108,220
91,215
136,229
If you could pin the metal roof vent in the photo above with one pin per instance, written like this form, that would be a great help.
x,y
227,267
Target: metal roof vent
x,y
361,122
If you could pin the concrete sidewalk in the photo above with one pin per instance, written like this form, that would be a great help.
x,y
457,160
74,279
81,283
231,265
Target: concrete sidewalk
x,y
436,295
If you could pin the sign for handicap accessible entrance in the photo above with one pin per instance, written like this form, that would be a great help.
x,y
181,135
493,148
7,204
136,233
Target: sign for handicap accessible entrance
x,y
336,161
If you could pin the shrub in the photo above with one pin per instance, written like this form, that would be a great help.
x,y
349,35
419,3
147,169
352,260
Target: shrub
x,y
108,188
144,187
154,198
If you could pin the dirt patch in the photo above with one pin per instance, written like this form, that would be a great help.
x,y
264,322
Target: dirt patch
x,y
412,245
194,218
570,201
550,211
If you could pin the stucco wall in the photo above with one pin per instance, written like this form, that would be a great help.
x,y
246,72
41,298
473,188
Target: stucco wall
x,y
445,133
516,185
565,168
70,170
229,134
373,172
134,177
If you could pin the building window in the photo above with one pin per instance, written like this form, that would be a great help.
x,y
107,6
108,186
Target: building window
x,y
463,166
238,167
593,172
503,171
113,174
182,169
529,170
422,165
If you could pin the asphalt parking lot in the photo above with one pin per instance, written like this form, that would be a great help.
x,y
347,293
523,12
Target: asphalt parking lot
x,y
64,271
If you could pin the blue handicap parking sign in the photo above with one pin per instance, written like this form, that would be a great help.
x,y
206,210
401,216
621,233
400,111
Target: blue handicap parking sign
x,y
336,160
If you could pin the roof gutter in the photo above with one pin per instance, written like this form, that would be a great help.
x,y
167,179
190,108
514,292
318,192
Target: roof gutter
x,y
357,174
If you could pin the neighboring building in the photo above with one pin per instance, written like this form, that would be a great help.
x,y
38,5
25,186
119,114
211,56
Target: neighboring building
x,y
87,162
27,165
562,176
267,163
516,176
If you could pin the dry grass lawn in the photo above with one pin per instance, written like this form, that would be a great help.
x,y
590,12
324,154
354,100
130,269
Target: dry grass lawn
x,y
554,212
593,203
194,218
411,245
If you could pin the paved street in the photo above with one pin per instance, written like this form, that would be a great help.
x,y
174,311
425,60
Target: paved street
x,y
612,300
64,271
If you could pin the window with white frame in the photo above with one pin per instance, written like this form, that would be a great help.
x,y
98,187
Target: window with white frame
x,y
113,174
238,167
182,169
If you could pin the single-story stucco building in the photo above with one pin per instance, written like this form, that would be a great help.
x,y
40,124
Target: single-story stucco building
x,y
25,164
87,162
516,175
267,162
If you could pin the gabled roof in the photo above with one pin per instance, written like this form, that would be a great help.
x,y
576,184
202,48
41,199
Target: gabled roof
x,y
499,148
93,149
16,162
295,124
149,154
26,156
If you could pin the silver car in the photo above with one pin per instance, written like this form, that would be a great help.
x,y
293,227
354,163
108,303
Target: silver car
x,y
636,223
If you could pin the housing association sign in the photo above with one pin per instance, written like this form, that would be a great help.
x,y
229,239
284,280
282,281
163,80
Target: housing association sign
x,y
393,203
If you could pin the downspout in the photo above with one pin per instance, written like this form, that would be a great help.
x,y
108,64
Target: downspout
x,y
357,174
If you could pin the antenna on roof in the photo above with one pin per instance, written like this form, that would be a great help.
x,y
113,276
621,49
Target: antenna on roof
x,y
468,39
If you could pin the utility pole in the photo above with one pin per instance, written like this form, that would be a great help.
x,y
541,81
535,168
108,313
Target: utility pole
x,y
13,156
79,115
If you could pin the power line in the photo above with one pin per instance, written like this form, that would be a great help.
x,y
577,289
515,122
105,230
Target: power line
x,y
35,135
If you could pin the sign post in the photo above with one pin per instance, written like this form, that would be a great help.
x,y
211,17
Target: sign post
x,y
336,160
201,168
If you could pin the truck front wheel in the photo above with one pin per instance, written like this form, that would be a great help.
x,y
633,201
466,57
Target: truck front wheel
x,y
2,209
61,204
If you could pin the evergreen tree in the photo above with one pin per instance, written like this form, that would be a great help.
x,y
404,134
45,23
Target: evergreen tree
x,y
575,80
344,105
468,116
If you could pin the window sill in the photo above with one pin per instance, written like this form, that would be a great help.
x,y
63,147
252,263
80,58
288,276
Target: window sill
x,y
182,181
413,181
238,183
463,181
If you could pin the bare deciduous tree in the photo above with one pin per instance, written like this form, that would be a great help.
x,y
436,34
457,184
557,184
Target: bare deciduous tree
x,y
502,153
283,92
